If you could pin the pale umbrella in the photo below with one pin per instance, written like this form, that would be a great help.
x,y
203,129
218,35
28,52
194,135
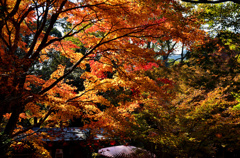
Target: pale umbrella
x,y
123,151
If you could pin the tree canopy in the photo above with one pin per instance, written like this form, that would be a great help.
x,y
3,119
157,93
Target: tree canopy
x,y
105,65
96,38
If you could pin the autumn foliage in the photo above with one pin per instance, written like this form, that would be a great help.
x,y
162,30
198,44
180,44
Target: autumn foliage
x,y
62,60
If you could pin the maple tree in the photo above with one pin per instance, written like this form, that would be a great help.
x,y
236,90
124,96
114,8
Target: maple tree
x,y
111,36
198,118
212,73
200,115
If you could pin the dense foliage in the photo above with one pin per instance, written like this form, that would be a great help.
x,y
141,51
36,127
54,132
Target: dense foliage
x,y
104,65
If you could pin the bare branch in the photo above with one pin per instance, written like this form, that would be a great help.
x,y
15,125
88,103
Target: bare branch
x,y
52,22
15,9
38,33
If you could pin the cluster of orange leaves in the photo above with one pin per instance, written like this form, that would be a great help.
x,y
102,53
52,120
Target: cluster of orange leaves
x,y
117,30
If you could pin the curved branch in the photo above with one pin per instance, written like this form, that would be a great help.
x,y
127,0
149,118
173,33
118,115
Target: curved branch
x,y
15,9
69,71
137,29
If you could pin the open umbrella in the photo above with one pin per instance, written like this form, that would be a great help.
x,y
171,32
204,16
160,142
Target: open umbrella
x,y
123,151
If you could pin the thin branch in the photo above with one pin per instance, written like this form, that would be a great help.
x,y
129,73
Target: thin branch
x,y
101,42
71,99
38,33
15,9
35,125
73,67
45,38
80,7
69,34
25,135
25,14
